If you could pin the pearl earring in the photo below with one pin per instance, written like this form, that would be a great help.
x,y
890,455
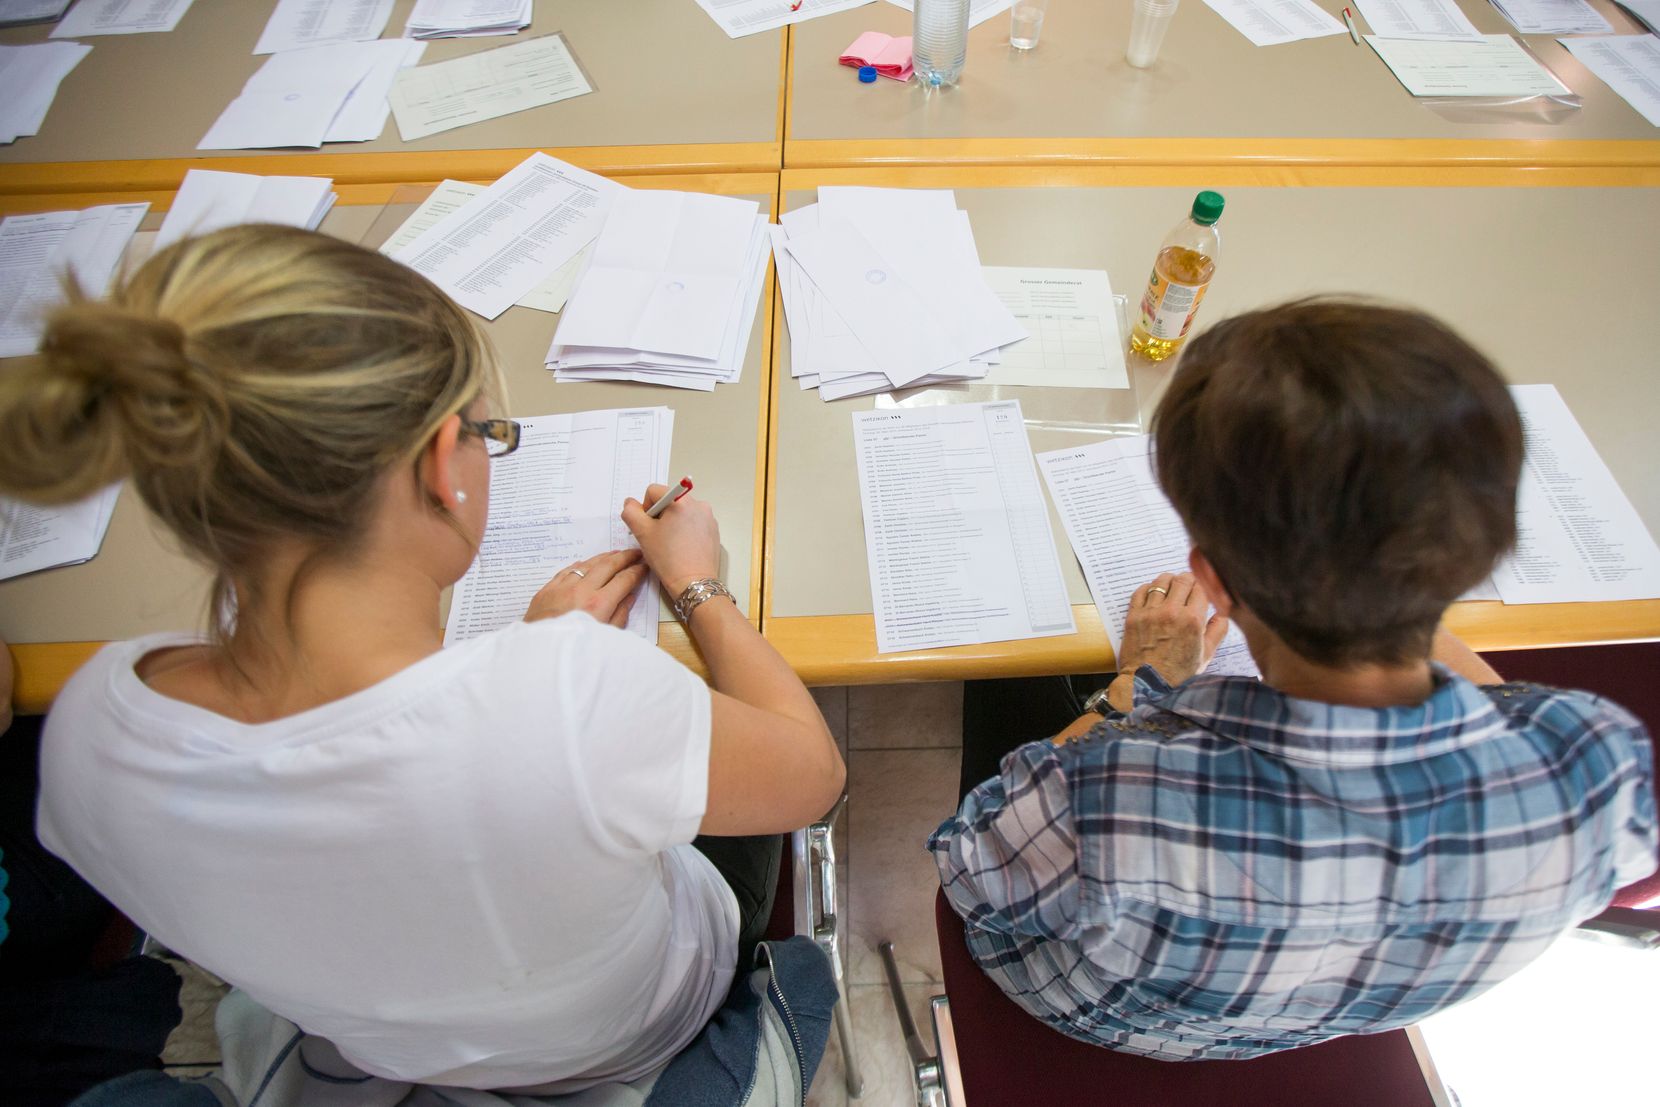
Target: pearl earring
x,y
460,498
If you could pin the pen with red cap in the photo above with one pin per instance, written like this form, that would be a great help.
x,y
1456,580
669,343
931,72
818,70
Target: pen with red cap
x,y
674,493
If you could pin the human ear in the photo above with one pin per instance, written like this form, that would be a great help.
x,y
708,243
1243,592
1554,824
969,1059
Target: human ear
x,y
439,477
1207,576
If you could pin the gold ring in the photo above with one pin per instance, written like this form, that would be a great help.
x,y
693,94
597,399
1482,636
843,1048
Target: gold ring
x,y
1160,591
579,574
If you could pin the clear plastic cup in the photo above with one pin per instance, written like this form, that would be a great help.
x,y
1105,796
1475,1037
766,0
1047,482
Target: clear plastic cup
x,y
1026,22
1148,22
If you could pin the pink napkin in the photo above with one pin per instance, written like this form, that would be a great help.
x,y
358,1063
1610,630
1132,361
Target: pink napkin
x,y
889,55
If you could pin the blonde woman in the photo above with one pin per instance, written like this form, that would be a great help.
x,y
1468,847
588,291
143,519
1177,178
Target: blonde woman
x,y
467,866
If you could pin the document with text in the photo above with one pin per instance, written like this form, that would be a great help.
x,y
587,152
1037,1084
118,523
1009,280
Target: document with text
x,y
1495,66
747,17
120,17
1432,19
1628,64
1271,22
956,532
978,10
1578,537
15,13
496,247
296,24
1553,17
37,249
1125,533
440,97
558,499
1072,322
35,538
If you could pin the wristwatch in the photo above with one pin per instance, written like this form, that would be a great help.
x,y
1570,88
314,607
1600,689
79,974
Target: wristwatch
x,y
696,593
1098,703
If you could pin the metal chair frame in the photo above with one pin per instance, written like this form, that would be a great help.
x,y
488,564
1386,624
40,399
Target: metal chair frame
x,y
813,855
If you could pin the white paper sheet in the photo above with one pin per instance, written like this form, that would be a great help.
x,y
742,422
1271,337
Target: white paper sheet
x,y
467,18
296,24
978,10
557,499
550,295
209,199
35,538
1495,66
514,235
14,13
1125,533
1431,19
36,250
492,83
364,115
747,17
120,17
1553,17
1073,324
29,80
1579,538
956,534
1628,64
1271,22
294,97
1647,12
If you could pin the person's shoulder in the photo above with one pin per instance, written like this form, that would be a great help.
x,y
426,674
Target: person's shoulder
x,y
1565,714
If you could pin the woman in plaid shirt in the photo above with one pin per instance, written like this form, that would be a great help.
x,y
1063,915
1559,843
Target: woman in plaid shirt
x,y
1221,867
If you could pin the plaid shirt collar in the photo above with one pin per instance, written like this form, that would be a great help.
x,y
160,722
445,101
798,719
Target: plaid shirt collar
x,y
1456,715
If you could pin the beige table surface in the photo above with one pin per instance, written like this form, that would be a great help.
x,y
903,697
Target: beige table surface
x,y
54,619
672,93
1212,98
1510,262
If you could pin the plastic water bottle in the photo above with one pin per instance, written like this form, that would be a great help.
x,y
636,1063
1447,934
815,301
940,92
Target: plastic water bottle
x,y
939,42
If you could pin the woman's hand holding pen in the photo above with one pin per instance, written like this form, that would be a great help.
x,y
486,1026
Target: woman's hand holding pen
x,y
682,544
602,586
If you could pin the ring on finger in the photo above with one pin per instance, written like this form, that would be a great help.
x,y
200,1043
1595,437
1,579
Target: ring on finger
x,y
1160,591
579,574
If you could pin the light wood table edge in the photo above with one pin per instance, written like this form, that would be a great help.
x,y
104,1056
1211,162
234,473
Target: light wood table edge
x,y
841,649
1237,176
1389,152
366,167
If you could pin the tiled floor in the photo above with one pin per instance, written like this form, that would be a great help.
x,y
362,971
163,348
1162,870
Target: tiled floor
x,y
902,744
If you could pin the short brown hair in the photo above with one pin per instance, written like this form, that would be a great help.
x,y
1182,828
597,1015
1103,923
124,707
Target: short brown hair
x,y
1349,469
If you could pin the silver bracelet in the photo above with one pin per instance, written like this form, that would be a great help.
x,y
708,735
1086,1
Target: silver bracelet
x,y
695,594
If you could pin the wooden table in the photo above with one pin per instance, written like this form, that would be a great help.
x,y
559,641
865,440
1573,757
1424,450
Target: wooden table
x,y
1212,99
55,619
672,94
1483,249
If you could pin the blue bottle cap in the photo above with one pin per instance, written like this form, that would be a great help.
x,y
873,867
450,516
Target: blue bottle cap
x,y
867,74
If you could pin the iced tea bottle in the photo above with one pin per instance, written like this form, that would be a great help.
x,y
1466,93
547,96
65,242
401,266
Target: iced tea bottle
x,y
1181,273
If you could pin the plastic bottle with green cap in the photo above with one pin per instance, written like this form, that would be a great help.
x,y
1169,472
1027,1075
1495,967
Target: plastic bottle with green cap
x,y
1181,273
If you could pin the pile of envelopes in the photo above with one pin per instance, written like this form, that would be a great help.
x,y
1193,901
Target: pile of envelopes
x,y
29,79
306,97
882,290
669,293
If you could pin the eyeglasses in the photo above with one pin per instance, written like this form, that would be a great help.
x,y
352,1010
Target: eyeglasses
x,y
501,436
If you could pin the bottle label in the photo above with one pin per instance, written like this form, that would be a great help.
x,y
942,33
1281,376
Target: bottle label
x,y
1168,308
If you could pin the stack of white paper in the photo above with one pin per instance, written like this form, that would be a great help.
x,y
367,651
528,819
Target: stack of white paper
x,y
1646,12
121,17
29,79
209,199
669,295
1271,22
883,289
559,500
1432,19
1553,17
34,538
14,13
1628,64
37,250
747,17
492,250
467,18
296,24
335,93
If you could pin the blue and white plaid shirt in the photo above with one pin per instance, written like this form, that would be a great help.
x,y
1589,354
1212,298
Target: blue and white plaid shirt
x,y
1228,871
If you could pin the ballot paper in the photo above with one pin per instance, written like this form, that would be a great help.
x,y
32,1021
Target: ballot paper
x,y
14,13
1553,17
1125,533
120,17
486,85
1579,539
1495,66
1628,64
978,10
294,97
296,24
364,115
556,500
467,18
35,538
1271,22
1073,325
1646,12
956,533
29,79
496,247
747,17
1431,19
38,249
210,199
550,295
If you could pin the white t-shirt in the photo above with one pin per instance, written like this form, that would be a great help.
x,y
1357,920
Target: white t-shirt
x,y
476,872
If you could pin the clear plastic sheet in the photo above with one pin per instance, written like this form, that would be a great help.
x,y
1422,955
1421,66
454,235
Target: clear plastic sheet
x,y
1552,109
